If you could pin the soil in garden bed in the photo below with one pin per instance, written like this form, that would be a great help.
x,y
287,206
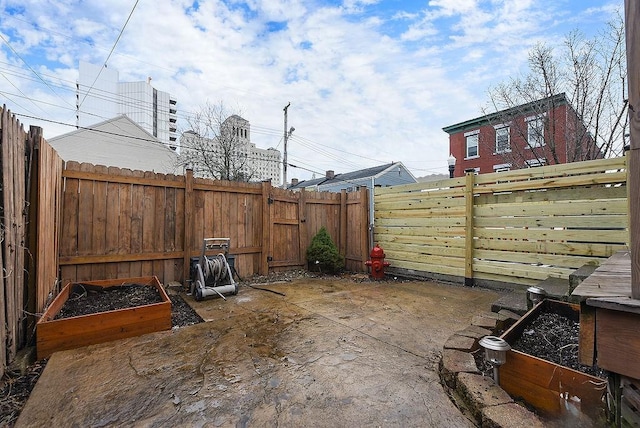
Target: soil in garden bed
x,y
87,299
551,337
554,337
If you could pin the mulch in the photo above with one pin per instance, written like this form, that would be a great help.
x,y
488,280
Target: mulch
x,y
554,337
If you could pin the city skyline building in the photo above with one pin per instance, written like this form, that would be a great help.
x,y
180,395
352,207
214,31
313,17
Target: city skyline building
x,y
101,96
232,152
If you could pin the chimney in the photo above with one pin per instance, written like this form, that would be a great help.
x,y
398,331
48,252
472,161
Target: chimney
x,y
330,174
294,181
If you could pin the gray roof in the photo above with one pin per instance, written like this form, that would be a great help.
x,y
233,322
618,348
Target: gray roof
x,y
118,142
346,177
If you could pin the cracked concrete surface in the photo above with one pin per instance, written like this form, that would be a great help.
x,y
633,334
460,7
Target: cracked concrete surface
x,y
331,352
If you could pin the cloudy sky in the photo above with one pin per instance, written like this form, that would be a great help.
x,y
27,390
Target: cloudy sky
x,y
369,81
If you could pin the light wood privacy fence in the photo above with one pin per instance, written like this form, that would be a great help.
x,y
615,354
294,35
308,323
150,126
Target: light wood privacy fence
x,y
516,227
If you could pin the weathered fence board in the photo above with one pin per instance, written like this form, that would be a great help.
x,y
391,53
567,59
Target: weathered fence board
x,y
513,227
106,223
122,223
47,214
13,146
25,207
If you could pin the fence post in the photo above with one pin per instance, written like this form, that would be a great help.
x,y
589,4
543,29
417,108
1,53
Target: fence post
x,y
343,223
32,211
365,244
632,19
468,213
303,230
188,223
266,228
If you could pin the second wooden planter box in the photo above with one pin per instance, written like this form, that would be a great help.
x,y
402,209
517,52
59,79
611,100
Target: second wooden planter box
x,y
554,390
67,333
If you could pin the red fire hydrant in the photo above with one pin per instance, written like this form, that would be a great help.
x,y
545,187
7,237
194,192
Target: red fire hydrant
x,y
377,262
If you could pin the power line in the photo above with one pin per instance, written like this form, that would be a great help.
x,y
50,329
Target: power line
x,y
19,90
30,68
256,129
130,137
141,139
16,103
110,53
325,150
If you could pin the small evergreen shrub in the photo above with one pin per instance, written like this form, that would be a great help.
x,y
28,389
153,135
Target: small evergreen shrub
x,y
323,254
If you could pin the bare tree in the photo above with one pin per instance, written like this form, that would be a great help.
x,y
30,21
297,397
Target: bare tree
x,y
216,144
586,75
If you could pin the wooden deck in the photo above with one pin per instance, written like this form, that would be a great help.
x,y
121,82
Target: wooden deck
x,y
611,280
610,318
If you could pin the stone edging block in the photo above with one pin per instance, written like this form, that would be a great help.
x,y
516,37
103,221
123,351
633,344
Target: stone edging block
x,y
489,404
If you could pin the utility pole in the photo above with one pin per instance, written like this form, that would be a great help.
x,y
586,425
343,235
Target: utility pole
x,y
286,138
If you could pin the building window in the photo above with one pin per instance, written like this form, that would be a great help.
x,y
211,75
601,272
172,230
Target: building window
x,y
472,145
535,131
503,140
502,167
532,163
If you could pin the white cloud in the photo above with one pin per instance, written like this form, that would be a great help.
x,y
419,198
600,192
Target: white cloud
x,y
369,77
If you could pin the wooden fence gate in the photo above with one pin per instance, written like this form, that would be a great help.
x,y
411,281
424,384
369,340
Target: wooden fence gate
x,y
286,249
30,188
294,218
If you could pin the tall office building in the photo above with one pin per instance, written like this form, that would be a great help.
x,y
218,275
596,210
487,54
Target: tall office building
x,y
100,96
262,164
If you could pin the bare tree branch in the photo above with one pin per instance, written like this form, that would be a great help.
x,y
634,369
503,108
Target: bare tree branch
x,y
216,144
591,73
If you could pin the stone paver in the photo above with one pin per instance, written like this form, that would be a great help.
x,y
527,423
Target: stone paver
x,y
479,392
484,321
475,332
461,343
454,362
509,415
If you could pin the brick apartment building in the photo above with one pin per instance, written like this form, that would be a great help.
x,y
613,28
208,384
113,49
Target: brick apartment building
x,y
543,132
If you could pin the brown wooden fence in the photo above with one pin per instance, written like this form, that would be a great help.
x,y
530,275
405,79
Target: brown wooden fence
x,y
516,227
28,231
44,226
120,223
13,142
87,222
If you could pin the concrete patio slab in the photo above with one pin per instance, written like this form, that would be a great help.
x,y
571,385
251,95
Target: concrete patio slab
x,y
331,352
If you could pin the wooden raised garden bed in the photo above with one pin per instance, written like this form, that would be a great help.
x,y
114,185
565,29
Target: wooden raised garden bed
x,y
67,333
553,389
